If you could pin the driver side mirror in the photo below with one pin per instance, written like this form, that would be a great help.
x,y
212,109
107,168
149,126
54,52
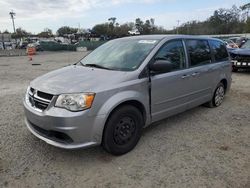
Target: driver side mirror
x,y
161,66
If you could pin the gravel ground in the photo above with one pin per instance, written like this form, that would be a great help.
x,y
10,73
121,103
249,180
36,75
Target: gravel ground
x,y
199,148
14,52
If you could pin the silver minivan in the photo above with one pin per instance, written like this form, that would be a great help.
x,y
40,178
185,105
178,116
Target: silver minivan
x,y
126,84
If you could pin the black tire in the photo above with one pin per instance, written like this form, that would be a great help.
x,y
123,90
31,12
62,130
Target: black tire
x,y
122,130
220,90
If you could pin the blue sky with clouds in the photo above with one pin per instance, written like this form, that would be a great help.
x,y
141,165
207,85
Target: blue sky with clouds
x,y
34,16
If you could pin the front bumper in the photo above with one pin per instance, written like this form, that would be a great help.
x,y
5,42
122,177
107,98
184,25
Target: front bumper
x,y
241,65
64,129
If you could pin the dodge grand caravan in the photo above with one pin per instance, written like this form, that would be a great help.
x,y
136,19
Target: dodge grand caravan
x,y
124,85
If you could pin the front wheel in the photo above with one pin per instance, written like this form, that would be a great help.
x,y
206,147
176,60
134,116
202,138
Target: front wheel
x,y
218,96
122,130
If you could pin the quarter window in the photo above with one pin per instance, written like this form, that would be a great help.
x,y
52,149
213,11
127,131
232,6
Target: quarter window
x,y
199,52
173,52
219,50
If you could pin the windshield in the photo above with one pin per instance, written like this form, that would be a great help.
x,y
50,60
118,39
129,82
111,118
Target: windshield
x,y
123,55
246,45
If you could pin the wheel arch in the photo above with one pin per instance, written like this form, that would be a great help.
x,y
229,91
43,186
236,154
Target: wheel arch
x,y
134,103
131,97
224,82
137,104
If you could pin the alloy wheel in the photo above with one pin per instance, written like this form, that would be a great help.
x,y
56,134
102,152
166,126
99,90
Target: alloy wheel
x,y
219,95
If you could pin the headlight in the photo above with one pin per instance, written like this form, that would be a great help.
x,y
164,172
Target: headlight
x,y
75,102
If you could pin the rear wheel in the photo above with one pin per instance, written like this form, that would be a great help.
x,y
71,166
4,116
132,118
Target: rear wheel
x,y
218,96
122,130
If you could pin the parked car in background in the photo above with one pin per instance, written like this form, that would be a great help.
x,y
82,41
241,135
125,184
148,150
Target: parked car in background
x,y
230,44
246,45
22,44
241,57
37,46
134,32
238,40
8,45
1,46
126,84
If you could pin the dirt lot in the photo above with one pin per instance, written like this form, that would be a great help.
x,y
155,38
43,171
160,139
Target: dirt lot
x,y
13,52
199,148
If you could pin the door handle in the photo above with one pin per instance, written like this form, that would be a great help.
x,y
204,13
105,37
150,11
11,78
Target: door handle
x,y
185,76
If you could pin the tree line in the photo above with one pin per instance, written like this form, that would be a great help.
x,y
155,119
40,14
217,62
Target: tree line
x,y
223,21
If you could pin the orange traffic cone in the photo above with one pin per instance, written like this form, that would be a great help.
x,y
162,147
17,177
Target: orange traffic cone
x,y
31,51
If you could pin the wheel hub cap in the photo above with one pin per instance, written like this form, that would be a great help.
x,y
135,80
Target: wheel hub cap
x,y
219,95
124,130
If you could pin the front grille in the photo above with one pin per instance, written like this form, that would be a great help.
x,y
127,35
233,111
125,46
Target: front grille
x,y
44,95
241,58
39,100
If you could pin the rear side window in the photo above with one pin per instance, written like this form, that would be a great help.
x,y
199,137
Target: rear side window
x,y
199,52
219,51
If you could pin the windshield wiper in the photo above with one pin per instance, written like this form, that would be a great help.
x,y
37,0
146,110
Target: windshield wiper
x,y
96,66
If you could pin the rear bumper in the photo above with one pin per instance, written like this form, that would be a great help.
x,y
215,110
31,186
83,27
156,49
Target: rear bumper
x,y
65,129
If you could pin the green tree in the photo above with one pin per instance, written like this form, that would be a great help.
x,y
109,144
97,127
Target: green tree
x,y
245,8
66,30
139,24
20,33
101,29
247,26
123,29
46,33
223,21
112,20
146,28
6,32
117,31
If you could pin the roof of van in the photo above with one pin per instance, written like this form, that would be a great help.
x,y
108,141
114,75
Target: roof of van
x,y
160,37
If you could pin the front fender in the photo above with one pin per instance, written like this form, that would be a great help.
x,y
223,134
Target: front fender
x,y
114,101
122,97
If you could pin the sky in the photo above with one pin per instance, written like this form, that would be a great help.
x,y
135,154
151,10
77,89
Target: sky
x,y
35,15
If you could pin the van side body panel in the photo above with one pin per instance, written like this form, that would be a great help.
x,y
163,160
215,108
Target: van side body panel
x,y
178,91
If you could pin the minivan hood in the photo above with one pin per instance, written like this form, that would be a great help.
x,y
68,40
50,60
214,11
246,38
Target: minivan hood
x,y
75,79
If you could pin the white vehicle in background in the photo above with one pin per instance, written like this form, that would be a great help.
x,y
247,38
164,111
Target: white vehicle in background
x,y
134,32
8,45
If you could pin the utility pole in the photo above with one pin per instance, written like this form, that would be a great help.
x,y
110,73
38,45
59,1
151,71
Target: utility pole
x,y
12,16
177,28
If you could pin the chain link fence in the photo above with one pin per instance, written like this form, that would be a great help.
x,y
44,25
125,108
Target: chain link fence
x,y
54,46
